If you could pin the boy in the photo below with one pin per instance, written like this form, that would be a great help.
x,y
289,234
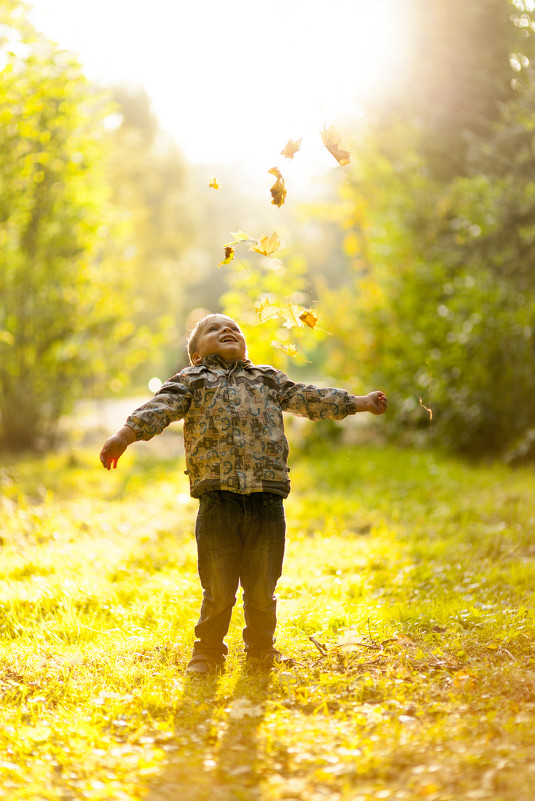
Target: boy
x,y
236,458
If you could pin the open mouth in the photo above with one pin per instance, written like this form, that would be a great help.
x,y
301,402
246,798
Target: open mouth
x,y
228,338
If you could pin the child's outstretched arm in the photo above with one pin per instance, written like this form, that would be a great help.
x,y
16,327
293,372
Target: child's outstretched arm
x,y
374,402
115,446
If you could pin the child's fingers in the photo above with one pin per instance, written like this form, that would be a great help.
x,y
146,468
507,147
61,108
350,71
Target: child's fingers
x,y
115,463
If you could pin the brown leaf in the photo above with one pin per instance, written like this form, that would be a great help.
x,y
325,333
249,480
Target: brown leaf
x,y
332,141
229,255
291,148
309,318
278,190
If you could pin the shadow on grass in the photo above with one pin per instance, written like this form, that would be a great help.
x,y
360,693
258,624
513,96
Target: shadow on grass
x,y
217,754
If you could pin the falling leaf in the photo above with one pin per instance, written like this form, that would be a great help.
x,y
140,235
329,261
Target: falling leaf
x,y
241,236
289,350
309,318
265,310
266,245
291,148
229,255
427,410
278,190
213,184
332,141
290,312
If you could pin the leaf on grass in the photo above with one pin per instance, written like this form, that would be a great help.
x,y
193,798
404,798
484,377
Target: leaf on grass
x,y
348,640
243,708
332,140
278,190
229,255
291,148
289,350
267,245
309,318
213,184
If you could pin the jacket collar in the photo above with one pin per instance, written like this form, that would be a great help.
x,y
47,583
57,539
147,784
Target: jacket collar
x,y
212,360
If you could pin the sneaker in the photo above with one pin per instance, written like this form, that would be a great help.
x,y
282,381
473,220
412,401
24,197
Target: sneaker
x,y
200,665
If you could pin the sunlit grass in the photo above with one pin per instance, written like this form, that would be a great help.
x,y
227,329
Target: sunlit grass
x,y
425,566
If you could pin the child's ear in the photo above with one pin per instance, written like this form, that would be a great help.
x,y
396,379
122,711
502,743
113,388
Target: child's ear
x,y
196,358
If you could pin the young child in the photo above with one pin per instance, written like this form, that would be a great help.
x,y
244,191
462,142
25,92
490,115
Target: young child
x,y
236,458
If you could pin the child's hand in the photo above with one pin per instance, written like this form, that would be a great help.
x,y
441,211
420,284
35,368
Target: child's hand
x,y
377,402
115,446
113,449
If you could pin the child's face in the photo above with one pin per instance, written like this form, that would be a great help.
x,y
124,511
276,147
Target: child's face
x,y
220,336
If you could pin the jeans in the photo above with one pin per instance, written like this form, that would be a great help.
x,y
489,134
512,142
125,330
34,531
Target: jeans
x,y
240,539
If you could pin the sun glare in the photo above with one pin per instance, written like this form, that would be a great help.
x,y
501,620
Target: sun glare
x,y
234,81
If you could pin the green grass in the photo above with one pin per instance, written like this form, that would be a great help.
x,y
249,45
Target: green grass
x,y
413,574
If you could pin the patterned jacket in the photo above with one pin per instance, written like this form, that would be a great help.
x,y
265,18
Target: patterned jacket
x,y
233,427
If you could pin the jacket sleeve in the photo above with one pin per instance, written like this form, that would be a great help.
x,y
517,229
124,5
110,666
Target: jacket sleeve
x,y
316,403
170,403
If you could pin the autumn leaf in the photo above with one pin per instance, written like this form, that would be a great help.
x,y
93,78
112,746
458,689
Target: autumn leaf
x,y
278,190
229,255
309,318
267,245
289,350
241,236
332,141
213,184
266,310
291,148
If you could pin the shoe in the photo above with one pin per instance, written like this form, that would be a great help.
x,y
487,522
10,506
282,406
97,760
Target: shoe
x,y
200,665
265,660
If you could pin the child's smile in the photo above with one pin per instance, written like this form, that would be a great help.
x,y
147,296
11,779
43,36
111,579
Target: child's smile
x,y
220,336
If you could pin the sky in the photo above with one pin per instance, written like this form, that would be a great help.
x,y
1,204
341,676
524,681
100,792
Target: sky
x,y
234,80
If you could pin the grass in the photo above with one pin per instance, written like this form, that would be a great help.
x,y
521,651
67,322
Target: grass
x,y
407,603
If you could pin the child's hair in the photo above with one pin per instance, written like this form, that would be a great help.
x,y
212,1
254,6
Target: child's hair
x,y
194,335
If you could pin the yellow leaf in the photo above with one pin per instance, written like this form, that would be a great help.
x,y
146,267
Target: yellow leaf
x,y
265,310
291,314
291,148
290,350
213,184
229,255
332,141
266,245
309,318
278,190
240,236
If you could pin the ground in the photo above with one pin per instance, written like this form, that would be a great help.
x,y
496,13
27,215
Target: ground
x,y
406,603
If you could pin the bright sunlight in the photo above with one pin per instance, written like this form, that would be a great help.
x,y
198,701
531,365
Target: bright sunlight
x,y
234,81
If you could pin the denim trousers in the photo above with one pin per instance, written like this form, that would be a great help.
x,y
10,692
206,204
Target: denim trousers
x,y
240,539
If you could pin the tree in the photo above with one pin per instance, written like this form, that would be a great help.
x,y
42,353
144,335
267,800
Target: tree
x,y
440,308
60,299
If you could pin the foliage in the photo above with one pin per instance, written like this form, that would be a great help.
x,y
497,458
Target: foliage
x,y
412,573
438,299
149,187
59,295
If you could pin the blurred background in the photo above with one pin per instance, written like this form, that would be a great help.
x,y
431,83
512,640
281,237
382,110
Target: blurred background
x,y
417,257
